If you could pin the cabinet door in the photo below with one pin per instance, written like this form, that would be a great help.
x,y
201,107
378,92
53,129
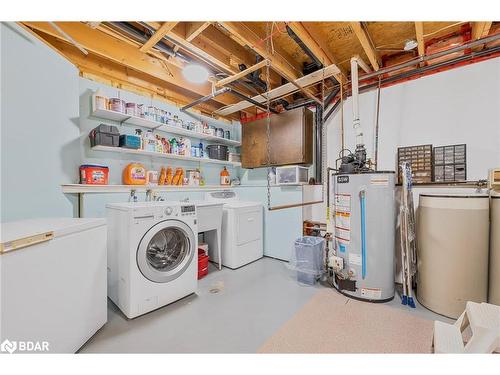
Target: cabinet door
x,y
290,140
287,138
254,143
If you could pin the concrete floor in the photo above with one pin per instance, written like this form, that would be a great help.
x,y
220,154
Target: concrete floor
x,y
250,305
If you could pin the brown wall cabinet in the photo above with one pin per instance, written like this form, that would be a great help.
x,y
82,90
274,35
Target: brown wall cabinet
x,y
291,140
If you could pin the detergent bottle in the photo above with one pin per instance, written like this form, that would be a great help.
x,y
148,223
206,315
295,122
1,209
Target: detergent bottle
x,y
174,148
224,177
134,174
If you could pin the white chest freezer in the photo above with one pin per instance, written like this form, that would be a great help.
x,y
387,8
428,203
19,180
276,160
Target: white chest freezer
x,y
52,283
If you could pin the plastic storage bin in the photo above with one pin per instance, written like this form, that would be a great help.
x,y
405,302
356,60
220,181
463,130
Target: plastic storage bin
x,y
309,259
104,135
219,152
202,264
130,141
92,174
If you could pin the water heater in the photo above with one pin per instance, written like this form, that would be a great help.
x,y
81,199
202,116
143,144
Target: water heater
x,y
363,227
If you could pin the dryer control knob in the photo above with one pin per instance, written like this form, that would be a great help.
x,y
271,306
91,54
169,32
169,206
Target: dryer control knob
x,y
168,211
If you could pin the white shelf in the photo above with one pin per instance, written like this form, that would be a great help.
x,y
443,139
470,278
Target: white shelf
x,y
145,123
82,188
110,115
160,155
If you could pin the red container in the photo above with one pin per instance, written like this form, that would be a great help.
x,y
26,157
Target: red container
x,y
202,264
92,174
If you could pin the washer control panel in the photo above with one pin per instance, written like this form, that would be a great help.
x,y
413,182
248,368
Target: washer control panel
x,y
188,210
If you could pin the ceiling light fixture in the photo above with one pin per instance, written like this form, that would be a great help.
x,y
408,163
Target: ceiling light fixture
x,y
410,44
195,73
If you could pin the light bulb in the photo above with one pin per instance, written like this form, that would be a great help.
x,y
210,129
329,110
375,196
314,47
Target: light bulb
x,y
195,73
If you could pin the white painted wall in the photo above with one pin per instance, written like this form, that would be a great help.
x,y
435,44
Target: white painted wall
x,y
461,105
39,128
456,106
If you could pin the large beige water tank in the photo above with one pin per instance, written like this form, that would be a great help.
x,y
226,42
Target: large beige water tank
x,y
453,249
494,287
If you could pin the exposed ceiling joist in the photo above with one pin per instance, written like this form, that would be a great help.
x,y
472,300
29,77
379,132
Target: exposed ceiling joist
x,y
364,40
250,39
311,43
280,65
480,29
125,54
103,70
241,74
115,34
193,29
212,58
283,90
164,29
419,33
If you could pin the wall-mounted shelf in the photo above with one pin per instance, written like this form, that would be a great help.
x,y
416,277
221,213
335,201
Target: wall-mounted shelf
x,y
81,188
160,155
107,114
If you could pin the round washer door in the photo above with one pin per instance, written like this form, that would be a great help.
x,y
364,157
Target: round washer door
x,y
165,251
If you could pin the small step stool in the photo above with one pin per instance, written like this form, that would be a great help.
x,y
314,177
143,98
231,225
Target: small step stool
x,y
484,322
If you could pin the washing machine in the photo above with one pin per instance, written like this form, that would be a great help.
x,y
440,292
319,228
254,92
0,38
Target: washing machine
x,y
152,254
242,229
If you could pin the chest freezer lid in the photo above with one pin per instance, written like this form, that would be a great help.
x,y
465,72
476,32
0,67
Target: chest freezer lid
x,y
18,234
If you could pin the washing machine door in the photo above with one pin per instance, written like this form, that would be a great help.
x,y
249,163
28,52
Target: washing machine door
x,y
166,251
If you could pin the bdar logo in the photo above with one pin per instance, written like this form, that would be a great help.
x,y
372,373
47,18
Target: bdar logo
x,y
8,346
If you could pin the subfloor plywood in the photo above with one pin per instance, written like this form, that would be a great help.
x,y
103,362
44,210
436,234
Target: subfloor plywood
x,y
333,323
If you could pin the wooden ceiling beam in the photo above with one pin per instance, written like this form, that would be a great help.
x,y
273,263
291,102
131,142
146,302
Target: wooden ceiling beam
x,y
311,43
164,29
480,29
125,54
193,29
283,90
241,74
419,33
364,40
110,71
278,63
237,52
207,54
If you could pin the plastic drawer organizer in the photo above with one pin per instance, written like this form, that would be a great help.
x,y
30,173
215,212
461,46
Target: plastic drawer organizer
x,y
420,159
450,163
